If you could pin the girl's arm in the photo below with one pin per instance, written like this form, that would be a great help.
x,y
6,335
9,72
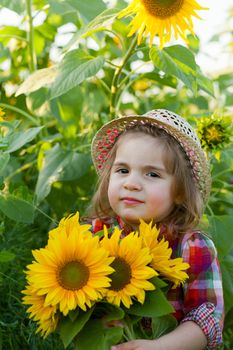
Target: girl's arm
x,y
187,336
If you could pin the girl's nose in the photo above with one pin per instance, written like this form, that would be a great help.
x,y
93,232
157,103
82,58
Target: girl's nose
x,y
132,185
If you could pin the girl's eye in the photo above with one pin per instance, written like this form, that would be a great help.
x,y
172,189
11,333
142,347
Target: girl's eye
x,y
152,174
122,171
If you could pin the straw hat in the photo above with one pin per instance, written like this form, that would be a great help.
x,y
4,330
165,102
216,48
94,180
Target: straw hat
x,y
174,125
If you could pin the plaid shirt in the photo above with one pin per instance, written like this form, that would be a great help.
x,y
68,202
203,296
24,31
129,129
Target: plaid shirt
x,y
201,298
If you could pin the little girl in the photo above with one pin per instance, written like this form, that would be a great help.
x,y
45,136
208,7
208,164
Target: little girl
x,y
152,167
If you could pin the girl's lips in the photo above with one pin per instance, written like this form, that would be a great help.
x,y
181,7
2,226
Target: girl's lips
x,y
129,200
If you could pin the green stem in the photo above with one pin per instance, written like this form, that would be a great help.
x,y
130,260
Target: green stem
x,y
104,85
46,215
225,171
20,38
20,111
21,169
30,34
9,278
116,77
210,210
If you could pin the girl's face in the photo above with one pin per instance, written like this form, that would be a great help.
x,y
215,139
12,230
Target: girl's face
x,y
140,186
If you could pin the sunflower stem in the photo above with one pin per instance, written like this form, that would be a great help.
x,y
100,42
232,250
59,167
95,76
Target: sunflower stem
x,y
20,111
116,77
30,33
128,329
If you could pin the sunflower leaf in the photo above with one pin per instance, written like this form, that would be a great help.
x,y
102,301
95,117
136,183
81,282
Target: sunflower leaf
x,y
19,139
180,62
73,70
69,329
17,209
59,164
108,312
158,282
163,325
88,9
155,305
101,337
177,64
98,24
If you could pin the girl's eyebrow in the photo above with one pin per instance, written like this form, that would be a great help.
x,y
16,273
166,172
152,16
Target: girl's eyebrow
x,y
119,163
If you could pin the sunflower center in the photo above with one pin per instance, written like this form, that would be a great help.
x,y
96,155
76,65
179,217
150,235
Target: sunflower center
x,y
122,275
73,275
162,8
213,134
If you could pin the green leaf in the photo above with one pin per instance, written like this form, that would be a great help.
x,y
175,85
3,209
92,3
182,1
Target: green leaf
x,y
227,276
69,329
4,159
224,245
205,84
108,312
88,9
19,139
40,78
73,70
177,61
163,325
155,305
17,209
180,62
54,163
9,32
101,337
60,164
60,8
47,30
14,5
163,80
223,242
78,166
37,103
158,282
181,55
6,256
99,23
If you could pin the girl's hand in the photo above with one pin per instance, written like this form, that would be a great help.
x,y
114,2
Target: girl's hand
x,y
136,345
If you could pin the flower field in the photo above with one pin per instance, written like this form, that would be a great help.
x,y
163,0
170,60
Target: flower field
x,y
66,68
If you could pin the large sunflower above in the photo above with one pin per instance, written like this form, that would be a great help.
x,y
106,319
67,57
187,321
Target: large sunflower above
x,y
162,18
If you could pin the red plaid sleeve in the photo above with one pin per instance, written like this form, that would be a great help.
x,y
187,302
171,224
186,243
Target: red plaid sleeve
x,y
203,295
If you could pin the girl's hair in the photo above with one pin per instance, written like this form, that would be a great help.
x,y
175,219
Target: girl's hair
x,y
188,201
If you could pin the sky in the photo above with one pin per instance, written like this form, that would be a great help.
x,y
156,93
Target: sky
x,y
214,56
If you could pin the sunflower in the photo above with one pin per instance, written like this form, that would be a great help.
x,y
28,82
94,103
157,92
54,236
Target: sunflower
x,y
71,271
215,132
45,316
71,223
171,269
162,18
131,275
2,113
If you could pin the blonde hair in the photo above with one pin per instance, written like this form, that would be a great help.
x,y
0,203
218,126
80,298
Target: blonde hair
x,y
189,205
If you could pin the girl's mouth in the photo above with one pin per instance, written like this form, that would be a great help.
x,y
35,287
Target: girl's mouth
x,y
131,201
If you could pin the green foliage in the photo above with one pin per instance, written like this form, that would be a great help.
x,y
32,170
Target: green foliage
x,y
60,80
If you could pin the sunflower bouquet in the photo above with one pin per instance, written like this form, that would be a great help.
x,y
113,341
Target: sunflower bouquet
x,y
99,290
